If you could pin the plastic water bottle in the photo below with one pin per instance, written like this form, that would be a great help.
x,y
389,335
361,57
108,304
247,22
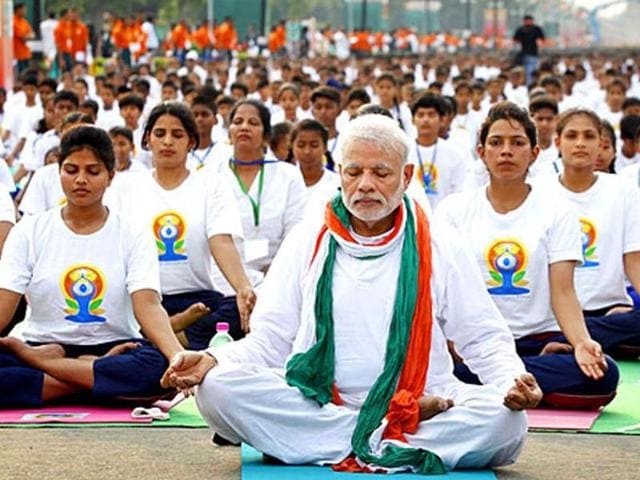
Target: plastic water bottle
x,y
222,336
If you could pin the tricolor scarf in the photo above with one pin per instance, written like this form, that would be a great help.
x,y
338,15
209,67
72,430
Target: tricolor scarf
x,y
394,395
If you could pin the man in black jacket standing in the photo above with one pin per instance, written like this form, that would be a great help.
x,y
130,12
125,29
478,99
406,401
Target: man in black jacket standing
x,y
529,36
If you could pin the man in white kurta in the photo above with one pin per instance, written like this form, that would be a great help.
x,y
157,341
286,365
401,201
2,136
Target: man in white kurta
x,y
246,397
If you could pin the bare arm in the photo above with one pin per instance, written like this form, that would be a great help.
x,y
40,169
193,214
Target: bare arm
x,y
226,255
631,262
568,313
8,303
154,321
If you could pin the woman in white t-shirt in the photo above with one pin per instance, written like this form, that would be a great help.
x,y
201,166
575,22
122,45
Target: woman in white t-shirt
x,y
270,194
194,219
309,146
43,190
610,229
528,244
92,281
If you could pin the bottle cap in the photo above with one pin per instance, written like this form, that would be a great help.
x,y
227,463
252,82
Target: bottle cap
x,y
222,327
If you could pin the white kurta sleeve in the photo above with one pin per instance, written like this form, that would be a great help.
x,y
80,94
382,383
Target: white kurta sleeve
x,y
469,317
276,317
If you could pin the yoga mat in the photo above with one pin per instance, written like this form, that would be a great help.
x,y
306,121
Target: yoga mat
x,y
70,414
623,414
552,419
184,415
254,469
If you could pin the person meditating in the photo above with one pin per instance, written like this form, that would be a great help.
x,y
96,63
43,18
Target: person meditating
x,y
92,281
347,363
527,245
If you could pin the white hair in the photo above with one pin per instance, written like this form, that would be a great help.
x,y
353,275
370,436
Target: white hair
x,y
378,130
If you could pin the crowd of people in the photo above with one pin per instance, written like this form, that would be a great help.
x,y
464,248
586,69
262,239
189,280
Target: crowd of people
x,y
392,240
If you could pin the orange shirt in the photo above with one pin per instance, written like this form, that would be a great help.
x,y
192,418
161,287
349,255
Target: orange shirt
x,y
362,42
228,36
281,36
21,31
119,34
79,37
201,37
62,36
272,42
179,37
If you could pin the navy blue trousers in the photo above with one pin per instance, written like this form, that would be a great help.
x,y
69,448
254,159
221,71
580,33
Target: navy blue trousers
x,y
134,374
560,372
223,309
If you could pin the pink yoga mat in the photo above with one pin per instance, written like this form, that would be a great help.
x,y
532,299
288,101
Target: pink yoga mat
x,y
549,419
70,414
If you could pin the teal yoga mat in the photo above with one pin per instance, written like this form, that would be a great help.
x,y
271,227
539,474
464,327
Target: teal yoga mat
x,y
254,469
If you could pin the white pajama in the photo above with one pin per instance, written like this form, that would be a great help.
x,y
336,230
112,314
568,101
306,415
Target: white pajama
x,y
246,397
254,404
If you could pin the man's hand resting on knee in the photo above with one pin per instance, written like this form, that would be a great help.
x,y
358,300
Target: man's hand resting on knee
x,y
524,394
187,369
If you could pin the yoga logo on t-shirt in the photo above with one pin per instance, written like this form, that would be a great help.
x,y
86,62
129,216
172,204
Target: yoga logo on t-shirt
x,y
169,229
589,237
507,262
83,287
427,175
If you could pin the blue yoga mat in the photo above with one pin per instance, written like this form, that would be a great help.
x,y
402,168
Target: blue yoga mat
x,y
254,469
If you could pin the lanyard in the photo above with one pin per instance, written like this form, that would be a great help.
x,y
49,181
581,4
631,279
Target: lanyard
x,y
427,177
255,203
202,159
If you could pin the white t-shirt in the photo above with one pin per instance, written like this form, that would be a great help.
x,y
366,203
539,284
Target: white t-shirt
x,y
622,161
107,119
439,169
44,191
610,227
79,286
282,204
547,163
41,145
632,173
203,156
514,251
467,127
7,208
322,192
182,221
6,179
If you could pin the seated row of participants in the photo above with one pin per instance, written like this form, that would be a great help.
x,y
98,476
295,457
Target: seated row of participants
x,y
542,263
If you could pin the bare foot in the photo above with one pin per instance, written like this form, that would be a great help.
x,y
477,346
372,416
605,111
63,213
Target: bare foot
x,y
556,347
122,348
188,317
430,406
196,312
32,355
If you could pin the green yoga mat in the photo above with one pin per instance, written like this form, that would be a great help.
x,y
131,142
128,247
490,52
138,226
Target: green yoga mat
x,y
624,411
184,415
253,468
